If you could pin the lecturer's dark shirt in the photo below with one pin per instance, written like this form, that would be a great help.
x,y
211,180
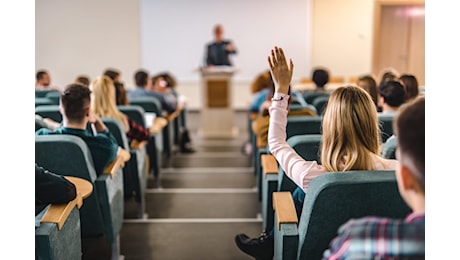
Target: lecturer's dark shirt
x,y
217,55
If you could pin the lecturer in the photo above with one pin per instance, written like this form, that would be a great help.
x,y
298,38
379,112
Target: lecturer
x,y
219,50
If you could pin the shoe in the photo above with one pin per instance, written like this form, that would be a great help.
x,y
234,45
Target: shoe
x,y
261,248
187,150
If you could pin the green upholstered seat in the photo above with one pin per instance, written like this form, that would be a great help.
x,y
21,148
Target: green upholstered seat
x,y
155,143
102,212
386,126
52,243
307,146
134,172
330,201
389,148
49,111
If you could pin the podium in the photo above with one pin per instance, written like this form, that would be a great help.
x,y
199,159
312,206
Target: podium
x,y
217,114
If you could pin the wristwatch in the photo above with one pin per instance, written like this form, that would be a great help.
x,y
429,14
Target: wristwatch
x,y
278,98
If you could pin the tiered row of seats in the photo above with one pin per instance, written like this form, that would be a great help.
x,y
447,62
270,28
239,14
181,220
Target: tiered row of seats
x,y
102,214
331,198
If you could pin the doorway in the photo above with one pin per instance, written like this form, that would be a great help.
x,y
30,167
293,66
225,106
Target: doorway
x,y
399,38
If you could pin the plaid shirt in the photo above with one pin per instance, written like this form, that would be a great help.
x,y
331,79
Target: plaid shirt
x,y
380,238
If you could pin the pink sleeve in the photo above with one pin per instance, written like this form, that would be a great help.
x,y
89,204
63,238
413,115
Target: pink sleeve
x,y
299,170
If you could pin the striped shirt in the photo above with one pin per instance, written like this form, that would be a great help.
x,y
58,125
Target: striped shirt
x,y
380,238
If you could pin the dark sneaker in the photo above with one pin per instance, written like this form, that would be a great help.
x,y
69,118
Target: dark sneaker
x,y
262,247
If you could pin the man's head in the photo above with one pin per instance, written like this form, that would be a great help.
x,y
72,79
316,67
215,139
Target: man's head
x,y
42,78
218,32
391,93
320,77
75,103
141,78
409,126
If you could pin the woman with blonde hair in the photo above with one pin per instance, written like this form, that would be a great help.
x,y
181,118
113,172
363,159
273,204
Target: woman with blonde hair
x,y
351,141
103,104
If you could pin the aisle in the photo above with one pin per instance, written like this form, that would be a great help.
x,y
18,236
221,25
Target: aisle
x,y
205,198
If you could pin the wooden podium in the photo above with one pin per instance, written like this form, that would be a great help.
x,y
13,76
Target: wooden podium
x,y
217,115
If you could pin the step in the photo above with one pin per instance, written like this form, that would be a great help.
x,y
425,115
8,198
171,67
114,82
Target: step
x,y
198,203
207,177
150,239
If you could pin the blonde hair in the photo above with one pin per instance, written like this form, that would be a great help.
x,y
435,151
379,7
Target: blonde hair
x,y
103,100
350,130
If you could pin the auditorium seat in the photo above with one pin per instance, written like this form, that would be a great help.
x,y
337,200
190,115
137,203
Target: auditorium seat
x,y
308,147
135,172
101,215
330,201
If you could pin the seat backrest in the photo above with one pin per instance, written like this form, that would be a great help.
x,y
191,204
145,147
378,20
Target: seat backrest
x,y
116,129
386,126
309,96
55,96
49,111
134,112
308,147
43,93
320,103
389,148
334,198
299,125
102,212
40,101
149,104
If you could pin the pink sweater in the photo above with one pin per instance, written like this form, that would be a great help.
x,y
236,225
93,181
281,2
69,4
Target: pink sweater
x,y
300,171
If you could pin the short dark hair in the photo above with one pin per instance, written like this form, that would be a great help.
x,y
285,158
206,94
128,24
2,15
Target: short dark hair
x,y
393,93
111,73
75,99
39,75
141,77
320,77
409,125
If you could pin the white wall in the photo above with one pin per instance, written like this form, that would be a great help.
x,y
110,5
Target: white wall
x,y
175,32
85,37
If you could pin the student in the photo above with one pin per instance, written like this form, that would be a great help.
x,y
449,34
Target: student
x,y
103,104
51,188
368,83
75,107
143,89
376,237
410,85
350,132
320,77
391,97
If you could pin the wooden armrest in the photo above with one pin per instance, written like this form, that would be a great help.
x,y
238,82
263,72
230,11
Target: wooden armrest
x,y
158,124
138,145
58,213
119,162
269,164
173,115
84,187
283,205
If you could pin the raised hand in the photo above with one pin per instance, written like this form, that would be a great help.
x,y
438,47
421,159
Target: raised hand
x,y
281,72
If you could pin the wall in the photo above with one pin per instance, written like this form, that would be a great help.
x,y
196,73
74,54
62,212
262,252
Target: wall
x,y
88,36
